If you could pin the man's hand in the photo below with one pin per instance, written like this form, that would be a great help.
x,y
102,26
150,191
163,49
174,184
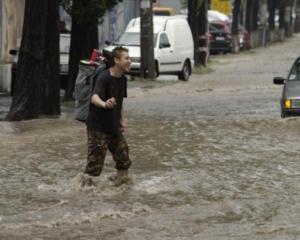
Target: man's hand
x,y
110,103
98,102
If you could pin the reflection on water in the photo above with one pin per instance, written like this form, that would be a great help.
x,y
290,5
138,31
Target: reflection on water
x,y
202,178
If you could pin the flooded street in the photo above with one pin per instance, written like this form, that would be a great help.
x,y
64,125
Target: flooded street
x,y
212,159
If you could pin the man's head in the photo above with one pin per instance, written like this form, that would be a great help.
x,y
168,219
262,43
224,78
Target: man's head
x,y
121,58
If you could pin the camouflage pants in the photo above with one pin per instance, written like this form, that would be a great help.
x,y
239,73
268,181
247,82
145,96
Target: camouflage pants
x,y
98,143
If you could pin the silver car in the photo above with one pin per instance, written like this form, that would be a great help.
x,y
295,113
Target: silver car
x,y
290,100
64,48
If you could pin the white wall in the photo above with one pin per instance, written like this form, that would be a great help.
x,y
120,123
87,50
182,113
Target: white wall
x,y
5,74
12,14
11,24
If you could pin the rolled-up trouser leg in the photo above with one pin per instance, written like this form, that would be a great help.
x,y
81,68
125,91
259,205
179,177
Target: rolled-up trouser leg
x,y
120,151
97,147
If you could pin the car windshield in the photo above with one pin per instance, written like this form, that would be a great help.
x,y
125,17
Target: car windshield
x,y
219,27
131,39
295,72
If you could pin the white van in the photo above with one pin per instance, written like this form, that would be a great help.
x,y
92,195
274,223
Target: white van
x,y
173,45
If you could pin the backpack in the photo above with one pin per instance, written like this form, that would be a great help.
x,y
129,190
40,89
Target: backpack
x,y
84,86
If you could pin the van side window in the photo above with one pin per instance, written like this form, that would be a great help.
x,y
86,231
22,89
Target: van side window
x,y
164,41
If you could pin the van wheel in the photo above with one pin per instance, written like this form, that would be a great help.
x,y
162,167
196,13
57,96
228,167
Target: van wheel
x,y
185,72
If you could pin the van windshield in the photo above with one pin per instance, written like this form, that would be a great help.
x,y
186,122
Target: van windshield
x,y
132,39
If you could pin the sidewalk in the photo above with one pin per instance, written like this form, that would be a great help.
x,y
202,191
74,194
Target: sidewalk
x,y
136,88
248,70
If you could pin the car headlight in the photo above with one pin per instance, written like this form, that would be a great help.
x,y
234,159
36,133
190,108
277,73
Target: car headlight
x,y
287,103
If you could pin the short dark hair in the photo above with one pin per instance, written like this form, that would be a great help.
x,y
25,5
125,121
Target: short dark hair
x,y
117,51
111,55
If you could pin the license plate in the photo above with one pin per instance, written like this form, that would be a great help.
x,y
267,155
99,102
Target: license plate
x,y
220,38
296,103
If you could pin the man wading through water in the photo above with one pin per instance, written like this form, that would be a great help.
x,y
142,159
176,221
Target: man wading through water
x,y
105,123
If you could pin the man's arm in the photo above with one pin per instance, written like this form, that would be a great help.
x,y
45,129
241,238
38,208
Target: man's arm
x,y
98,102
122,121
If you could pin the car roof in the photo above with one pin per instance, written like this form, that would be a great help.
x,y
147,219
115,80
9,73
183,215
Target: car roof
x,y
214,15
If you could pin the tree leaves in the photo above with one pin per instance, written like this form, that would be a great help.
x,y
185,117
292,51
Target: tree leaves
x,y
86,11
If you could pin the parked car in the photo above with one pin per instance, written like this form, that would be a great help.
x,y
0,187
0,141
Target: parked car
x,y
215,16
173,46
290,100
64,45
244,37
219,37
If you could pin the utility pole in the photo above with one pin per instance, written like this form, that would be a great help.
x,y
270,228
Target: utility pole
x,y
147,69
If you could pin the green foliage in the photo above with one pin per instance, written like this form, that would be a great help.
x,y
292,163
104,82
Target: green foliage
x,y
184,3
86,11
199,3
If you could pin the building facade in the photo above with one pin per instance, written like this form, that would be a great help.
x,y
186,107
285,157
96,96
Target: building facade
x,y
11,24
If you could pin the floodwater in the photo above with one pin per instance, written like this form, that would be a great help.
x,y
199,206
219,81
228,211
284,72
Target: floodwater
x,y
230,177
209,162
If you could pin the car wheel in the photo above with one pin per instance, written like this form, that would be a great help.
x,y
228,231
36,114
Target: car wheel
x,y
185,72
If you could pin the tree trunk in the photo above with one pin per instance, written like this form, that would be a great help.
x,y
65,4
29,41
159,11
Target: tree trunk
x,y
252,15
51,87
282,17
84,39
271,9
263,20
235,24
203,41
291,22
293,18
193,16
249,16
37,78
255,13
